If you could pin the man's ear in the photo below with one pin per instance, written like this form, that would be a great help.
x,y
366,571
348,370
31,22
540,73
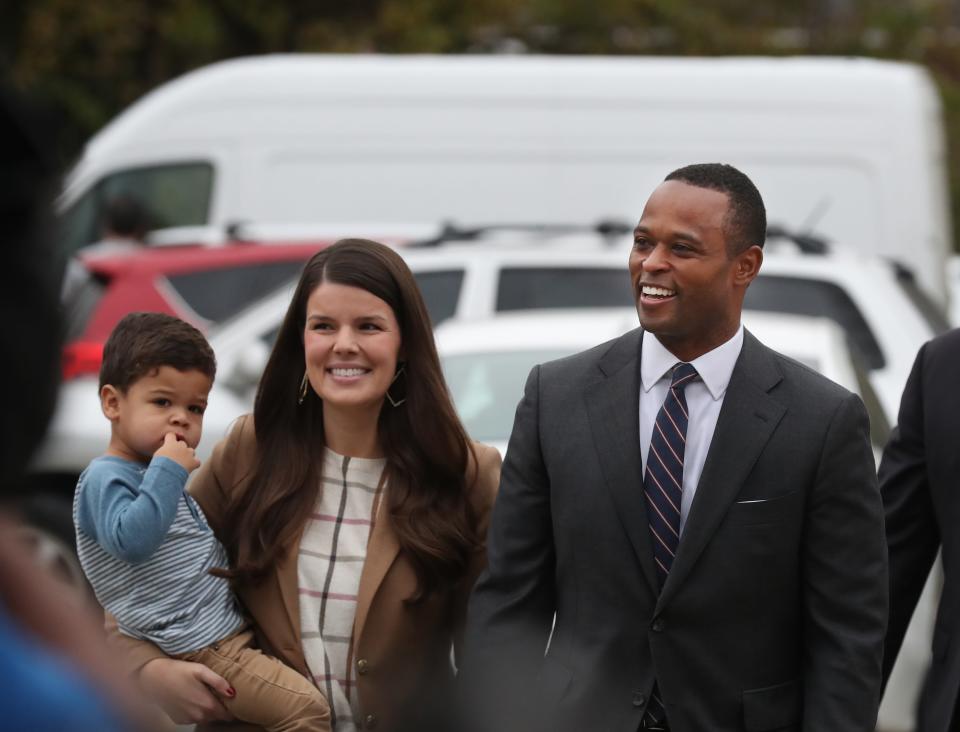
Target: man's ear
x,y
748,265
110,401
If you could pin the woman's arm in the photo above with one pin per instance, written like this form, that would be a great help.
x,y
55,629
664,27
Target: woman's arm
x,y
188,692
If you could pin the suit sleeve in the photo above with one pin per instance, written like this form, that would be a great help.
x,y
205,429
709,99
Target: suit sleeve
x,y
511,610
845,580
913,535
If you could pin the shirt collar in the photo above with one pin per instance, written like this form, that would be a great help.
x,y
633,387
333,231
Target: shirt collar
x,y
714,367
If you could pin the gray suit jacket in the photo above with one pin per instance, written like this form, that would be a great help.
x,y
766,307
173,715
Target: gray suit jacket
x,y
774,611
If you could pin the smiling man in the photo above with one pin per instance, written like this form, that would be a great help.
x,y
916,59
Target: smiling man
x,y
695,516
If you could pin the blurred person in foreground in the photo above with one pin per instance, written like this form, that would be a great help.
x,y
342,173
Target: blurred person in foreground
x,y
56,674
688,534
144,544
351,503
920,485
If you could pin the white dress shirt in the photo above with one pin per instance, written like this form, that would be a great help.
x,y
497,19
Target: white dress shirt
x,y
704,400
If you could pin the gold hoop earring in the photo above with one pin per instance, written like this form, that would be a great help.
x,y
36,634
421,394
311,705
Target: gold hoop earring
x,y
304,384
395,402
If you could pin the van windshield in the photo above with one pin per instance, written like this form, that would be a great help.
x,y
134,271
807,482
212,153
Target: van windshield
x,y
172,195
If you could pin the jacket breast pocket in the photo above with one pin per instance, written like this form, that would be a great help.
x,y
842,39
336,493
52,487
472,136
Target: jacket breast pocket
x,y
772,708
765,510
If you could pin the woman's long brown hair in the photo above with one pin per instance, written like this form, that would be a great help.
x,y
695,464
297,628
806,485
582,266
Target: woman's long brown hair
x,y
425,445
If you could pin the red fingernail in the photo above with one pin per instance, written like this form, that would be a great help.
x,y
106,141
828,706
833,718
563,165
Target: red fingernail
x,y
231,691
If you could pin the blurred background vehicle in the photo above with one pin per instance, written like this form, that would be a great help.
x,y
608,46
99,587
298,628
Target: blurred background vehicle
x,y
200,284
353,140
474,273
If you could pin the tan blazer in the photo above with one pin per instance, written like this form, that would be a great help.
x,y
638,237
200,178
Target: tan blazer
x,y
401,651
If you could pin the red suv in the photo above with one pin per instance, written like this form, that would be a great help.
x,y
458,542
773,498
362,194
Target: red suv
x,y
201,284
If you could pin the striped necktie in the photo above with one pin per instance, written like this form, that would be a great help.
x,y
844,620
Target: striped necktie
x,y
663,481
663,490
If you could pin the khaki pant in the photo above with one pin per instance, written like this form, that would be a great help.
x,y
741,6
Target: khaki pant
x,y
269,693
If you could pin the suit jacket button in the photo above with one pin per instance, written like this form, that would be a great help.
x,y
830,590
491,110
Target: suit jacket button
x,y
362,666
370,720
639,699
658,625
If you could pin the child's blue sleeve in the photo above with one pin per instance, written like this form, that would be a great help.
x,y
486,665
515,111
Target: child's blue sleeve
x,y
130,523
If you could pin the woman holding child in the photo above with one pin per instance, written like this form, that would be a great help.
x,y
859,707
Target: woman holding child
x,y
352,505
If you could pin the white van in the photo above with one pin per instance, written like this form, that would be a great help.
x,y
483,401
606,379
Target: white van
x,y
850,148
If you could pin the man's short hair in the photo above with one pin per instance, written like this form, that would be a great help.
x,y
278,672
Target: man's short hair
x,y
143,342
124,215
746,221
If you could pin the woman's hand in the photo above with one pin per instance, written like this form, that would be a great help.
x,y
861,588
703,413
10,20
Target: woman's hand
x,y
188,692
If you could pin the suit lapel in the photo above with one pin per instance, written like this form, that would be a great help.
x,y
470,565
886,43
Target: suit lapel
x,y
382,549
747,420
285,576
613,409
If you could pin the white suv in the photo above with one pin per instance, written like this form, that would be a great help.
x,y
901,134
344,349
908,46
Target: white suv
x,y
883,313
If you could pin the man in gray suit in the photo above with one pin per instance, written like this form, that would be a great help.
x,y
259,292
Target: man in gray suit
x,y
688,534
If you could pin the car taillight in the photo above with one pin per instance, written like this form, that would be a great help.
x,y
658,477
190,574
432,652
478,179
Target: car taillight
x,y
81,359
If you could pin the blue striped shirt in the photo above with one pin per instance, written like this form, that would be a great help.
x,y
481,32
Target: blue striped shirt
x,y
146,549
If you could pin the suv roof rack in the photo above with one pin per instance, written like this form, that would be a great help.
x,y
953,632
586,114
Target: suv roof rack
x,y
806,242
609,229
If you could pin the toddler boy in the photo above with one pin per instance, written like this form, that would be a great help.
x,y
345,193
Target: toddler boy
x,y
144,543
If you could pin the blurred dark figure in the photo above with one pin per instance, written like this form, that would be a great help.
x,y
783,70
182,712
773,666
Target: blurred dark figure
x,y
124,222
920,484
28,284
56,675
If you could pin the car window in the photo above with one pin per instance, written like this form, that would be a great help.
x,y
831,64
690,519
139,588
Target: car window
x,y
78,225
216,294
441,292
803,296
174,195
486,388
523,288
82,292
